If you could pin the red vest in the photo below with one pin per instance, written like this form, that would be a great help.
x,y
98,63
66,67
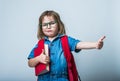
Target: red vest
x,y
72,71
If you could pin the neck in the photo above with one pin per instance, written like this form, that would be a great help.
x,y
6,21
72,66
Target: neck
x,y
52,38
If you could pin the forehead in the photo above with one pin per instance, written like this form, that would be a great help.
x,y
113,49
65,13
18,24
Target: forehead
x,y
47,19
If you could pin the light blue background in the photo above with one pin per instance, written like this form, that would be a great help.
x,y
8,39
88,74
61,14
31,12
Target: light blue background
x,y
86,20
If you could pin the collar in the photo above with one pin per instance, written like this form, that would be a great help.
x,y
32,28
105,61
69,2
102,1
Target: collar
x,y
58,36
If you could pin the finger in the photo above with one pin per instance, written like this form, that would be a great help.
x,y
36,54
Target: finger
x,y
43,51
101,39
47,58
100,45
47,61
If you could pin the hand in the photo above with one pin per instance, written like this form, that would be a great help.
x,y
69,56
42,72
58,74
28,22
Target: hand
x,y
43,58
99,44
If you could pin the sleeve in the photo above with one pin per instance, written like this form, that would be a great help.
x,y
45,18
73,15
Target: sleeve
x,y
72,44
31,55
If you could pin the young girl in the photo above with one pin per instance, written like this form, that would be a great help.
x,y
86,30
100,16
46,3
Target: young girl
x,y
51,29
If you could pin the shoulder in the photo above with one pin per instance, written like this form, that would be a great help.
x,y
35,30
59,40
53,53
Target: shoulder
x,y
40,41
70,38
64,35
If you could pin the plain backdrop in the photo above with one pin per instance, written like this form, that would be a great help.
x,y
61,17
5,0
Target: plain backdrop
x,y
86,20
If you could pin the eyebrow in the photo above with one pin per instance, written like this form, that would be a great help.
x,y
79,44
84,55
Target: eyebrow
x,y
51,21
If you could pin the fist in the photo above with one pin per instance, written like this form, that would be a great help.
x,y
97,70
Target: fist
x,y
99,44
43,58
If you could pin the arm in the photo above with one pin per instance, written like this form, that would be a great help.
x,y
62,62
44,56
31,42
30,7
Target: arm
x,y
91,45
33,61
42,58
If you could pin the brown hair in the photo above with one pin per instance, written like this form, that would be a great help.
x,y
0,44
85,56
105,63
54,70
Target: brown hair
x,y
56,16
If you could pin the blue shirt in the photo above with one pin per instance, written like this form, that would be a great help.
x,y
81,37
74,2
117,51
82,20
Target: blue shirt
x,y
58,62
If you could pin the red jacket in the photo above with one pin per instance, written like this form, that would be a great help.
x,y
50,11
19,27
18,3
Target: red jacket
x,y
72,71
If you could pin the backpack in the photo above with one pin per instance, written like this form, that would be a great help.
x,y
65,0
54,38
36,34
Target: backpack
x,y
72,70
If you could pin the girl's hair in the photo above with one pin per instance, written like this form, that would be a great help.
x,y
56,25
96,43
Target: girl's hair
x,y
55,15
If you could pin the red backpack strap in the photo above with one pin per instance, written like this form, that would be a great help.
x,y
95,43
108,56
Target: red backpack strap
x,y
39,67
72,71
65,46
38,50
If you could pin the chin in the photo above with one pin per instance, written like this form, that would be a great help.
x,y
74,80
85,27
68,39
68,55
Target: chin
x,y
50,35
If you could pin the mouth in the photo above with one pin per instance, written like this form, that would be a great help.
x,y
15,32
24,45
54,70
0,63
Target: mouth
x,y
49,30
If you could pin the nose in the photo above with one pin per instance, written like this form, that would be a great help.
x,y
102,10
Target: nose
x,y
48,26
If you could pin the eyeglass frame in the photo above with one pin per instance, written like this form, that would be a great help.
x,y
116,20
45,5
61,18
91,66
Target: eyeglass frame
x,y
49,23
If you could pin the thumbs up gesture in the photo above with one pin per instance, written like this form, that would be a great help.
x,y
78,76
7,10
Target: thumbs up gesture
x,y
43,58
99,44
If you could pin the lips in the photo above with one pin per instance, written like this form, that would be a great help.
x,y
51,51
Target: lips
x,y
49,30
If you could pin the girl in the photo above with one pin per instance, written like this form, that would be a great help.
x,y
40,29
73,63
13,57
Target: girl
x,y
51,29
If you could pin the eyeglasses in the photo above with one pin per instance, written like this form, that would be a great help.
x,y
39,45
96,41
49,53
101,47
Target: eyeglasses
x,y
51,24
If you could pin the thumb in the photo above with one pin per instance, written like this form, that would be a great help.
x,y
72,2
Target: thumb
x,y
43,51
101,39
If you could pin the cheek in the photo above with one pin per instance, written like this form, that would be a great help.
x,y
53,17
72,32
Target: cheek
x,y
56,30
43,30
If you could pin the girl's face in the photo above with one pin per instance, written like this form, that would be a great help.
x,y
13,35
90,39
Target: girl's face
x,y
49,26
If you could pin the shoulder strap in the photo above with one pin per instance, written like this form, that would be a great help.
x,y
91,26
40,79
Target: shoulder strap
x,y
38,50
65,46
39,67
72,70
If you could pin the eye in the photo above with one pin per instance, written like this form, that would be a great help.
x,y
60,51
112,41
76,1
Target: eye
x,y
52,23
44,24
